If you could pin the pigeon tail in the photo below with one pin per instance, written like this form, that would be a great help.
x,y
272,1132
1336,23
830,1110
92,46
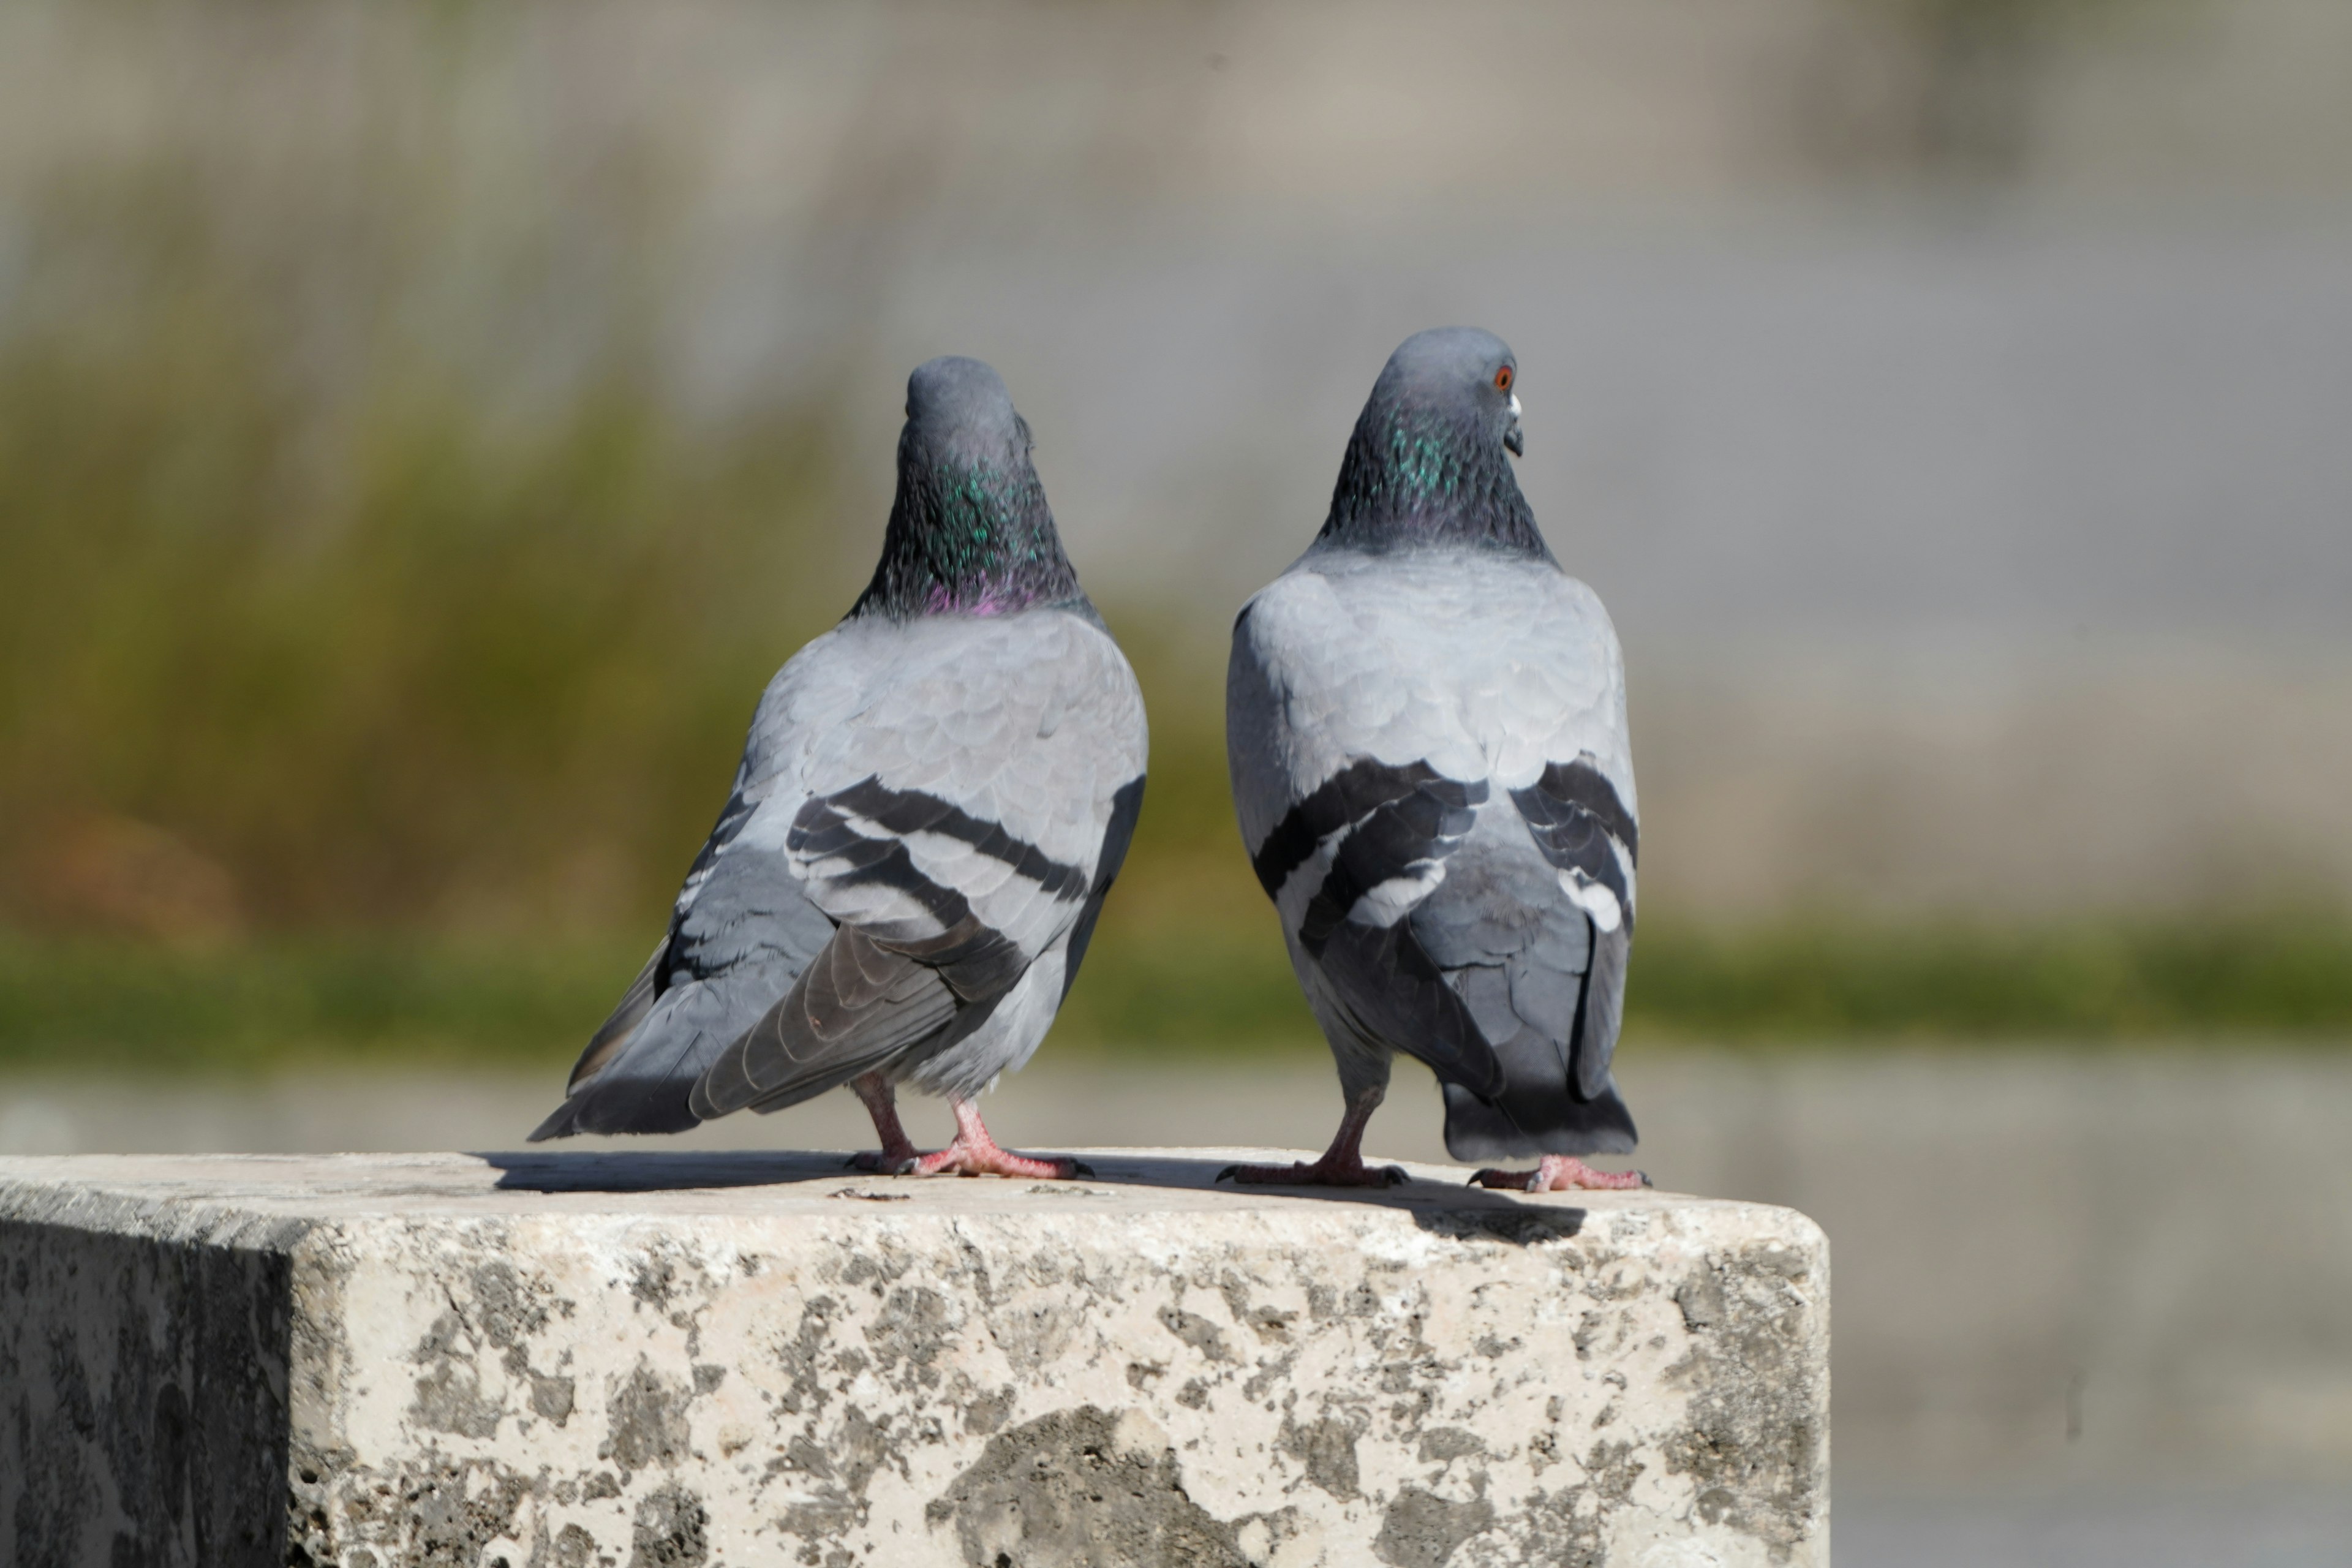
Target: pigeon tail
x,y
1522,1123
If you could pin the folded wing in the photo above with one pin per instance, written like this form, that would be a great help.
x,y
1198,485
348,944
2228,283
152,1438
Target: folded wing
x,y
1434,904
973,844
922,811
741,930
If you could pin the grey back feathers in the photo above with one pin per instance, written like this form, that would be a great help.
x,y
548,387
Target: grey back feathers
x,y
1425,726
933,801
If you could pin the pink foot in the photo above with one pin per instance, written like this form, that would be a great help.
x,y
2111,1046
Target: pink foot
x,y
1560,1173
961,1158
973,1154
1326,1171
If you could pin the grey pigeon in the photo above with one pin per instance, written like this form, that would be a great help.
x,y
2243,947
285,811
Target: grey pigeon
x,y
932,803
1425,723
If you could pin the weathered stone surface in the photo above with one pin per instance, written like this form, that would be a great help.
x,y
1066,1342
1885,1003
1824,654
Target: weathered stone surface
x,y
631,1360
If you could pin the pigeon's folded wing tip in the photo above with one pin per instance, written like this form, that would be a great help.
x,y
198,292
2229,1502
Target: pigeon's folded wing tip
x,y
559,1123
709,1105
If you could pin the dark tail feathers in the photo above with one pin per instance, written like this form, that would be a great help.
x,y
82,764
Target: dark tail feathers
x,y
1526,1122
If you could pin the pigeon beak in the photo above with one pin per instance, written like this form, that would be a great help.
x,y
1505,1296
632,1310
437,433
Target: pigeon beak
x,y
1512,437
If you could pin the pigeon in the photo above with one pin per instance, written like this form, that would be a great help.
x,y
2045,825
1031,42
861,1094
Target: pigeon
x,y
932,804
1425,725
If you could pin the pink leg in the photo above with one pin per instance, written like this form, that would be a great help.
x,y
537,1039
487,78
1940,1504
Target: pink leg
x,y
899,1150
975,1154
1560,1173
1343,1164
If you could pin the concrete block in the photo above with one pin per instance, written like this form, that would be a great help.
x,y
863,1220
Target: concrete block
x,y
551,1361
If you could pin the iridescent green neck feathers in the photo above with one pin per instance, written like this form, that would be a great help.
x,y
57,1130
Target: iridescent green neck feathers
x,y
1429,461
968,537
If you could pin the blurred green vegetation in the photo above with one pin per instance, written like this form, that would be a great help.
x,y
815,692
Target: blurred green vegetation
x,y
397,646
1209,984
2276,973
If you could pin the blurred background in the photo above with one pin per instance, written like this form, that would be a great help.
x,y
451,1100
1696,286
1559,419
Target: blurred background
x,y
424,427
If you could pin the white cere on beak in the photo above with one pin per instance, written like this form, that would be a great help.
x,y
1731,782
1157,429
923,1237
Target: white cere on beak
x,y
1515,405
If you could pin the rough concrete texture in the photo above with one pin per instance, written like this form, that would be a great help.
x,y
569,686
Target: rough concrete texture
x,y
640,1360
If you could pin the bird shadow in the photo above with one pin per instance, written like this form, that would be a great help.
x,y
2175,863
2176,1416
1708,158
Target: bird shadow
x,y
1462,1212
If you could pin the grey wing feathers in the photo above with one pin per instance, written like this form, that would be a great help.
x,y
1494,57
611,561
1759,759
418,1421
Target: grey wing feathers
x,y
634,1003
743,930
920,955
1126,806
1582,829
1544,983
1495,977
956,833
856,1006
1538,923
922,813
1386,829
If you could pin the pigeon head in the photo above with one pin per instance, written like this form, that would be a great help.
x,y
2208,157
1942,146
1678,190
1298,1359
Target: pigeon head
x,y
1431,457
956,405
969,531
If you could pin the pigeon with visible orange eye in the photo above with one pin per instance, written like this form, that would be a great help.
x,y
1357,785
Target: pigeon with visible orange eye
x,y
1425,725
932,803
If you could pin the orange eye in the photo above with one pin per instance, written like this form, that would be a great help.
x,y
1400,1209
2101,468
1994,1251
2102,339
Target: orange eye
x,y
1502,379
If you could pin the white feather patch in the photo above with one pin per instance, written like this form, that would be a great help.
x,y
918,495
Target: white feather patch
x,y
1390,902
1595,898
